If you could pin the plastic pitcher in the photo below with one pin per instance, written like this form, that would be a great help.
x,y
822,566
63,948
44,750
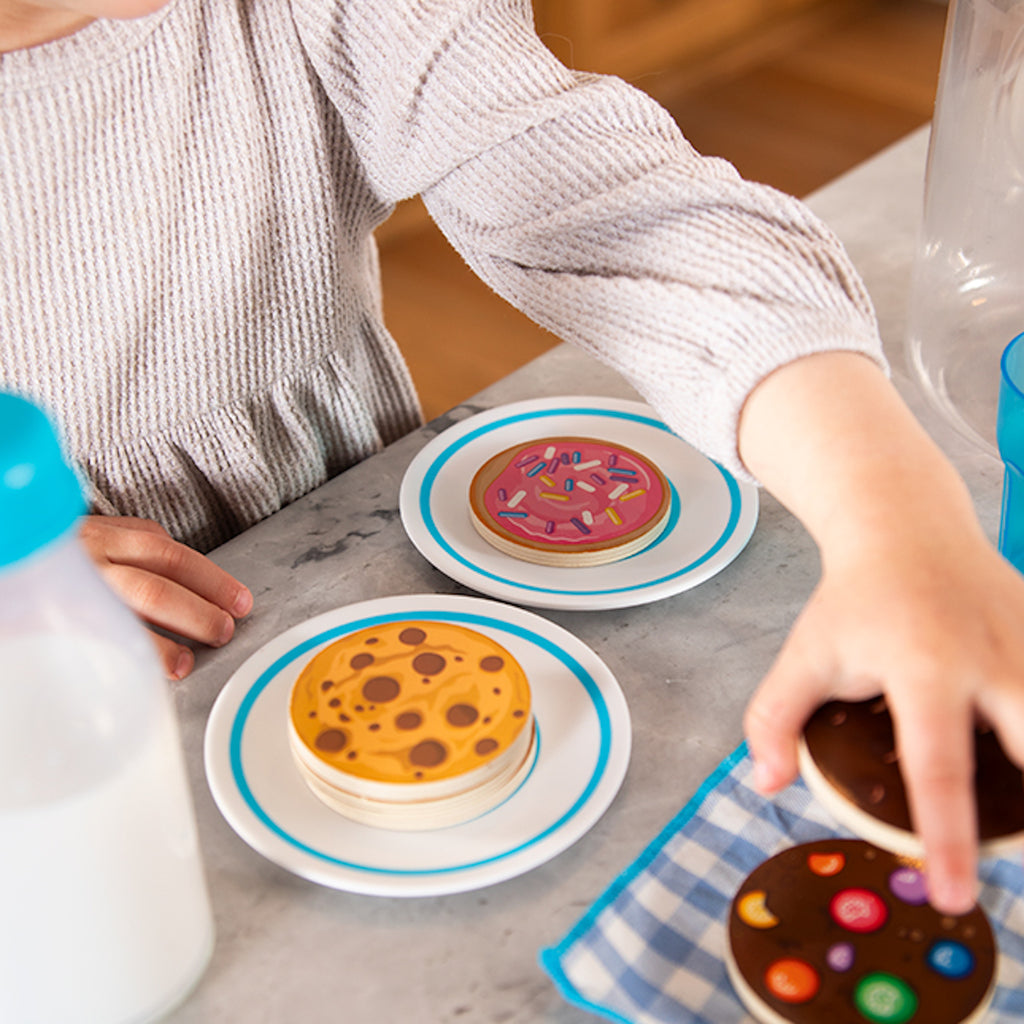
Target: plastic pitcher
x,y
967,292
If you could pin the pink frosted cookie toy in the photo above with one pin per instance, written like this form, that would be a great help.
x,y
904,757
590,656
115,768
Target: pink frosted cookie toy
x,y
569,501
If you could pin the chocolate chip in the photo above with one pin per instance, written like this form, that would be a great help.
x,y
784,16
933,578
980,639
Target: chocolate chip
x,y
428,663
428,754
381,689
331,741
461,715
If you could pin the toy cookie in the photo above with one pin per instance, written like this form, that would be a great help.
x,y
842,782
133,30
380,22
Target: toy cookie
x,y
840,931
848,759
412,725
569,501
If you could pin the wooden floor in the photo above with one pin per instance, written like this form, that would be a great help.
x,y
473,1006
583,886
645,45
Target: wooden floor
x,y
794,112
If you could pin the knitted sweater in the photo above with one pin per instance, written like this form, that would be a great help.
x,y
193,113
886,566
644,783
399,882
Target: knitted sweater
x,y
188,277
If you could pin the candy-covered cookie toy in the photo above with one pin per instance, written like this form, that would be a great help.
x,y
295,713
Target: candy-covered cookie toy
x,y
569,501
849,761
412,725
841,932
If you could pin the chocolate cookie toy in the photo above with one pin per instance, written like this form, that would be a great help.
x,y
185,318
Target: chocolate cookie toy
x,y
569,501
848,759
412,725
838,931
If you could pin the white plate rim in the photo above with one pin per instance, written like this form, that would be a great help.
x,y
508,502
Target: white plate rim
x,y
429,540
240,807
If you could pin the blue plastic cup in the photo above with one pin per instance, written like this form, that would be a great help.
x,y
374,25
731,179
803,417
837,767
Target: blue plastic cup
x,y
1010,438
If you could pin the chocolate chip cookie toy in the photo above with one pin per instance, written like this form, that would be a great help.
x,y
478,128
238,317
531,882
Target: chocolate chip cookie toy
x,y
411,725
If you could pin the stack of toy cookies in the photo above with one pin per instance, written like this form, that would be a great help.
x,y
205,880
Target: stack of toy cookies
x,y
841,929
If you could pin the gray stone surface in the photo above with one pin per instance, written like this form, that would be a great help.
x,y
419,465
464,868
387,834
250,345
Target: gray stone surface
x,y
291,951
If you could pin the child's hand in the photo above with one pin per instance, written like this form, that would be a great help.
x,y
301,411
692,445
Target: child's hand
x,y
935,623
913,601
167,584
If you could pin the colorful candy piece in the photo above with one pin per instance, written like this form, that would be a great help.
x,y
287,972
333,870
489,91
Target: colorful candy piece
x,y
885,999
951,959
753,910
792,980
826,865
859,910
909,885
840,956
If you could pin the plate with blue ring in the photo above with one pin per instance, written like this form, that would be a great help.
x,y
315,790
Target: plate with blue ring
x,y
711,519
581,756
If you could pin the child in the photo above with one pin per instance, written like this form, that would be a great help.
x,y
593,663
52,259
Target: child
x,y
188,281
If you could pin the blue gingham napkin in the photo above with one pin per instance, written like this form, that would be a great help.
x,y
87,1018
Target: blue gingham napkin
x,y
649,951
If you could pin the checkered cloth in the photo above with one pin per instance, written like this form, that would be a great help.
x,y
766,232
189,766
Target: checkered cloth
x,y
650,949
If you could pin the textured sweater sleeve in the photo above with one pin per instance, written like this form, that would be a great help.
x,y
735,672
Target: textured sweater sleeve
x,y
576,198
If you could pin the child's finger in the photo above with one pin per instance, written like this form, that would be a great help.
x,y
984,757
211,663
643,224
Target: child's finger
x,y
934,740
164,603
775,717
147,546
177,659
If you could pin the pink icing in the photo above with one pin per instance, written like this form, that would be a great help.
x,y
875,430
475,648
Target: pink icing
x,y
587,492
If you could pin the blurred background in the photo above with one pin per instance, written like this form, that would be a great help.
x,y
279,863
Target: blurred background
x,y
792,92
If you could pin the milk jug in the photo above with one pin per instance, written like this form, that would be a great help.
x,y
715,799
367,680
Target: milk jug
x,y
105,915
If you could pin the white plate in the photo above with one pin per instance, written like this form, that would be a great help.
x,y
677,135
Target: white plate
x,y
712,517
583,728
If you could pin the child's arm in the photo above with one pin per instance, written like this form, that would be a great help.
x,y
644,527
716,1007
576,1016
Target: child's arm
x,y
913,600
166,584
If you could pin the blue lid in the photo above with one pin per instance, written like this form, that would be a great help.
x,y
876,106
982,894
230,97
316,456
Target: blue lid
x,y
40,497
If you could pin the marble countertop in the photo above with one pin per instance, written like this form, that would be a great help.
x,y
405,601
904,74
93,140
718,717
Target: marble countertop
x,y
289,950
